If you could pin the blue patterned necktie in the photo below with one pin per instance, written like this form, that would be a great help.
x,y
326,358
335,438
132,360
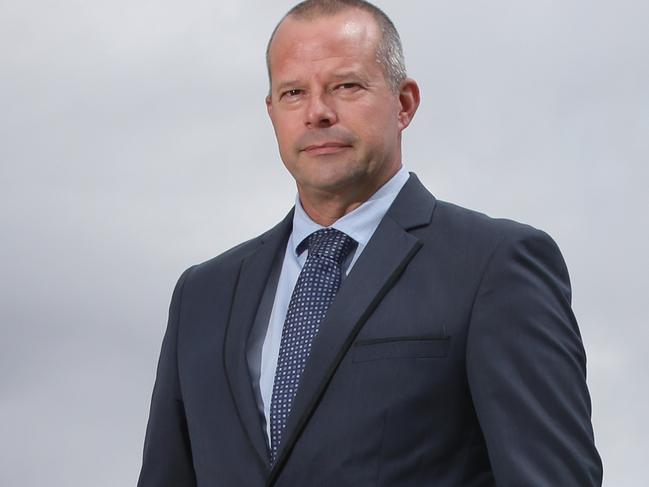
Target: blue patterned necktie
x,y
314,290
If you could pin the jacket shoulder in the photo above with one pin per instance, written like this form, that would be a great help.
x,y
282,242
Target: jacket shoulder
x,y
231,256
467,224
230,260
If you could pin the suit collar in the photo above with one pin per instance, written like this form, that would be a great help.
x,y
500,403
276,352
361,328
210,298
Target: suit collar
x,y
414,205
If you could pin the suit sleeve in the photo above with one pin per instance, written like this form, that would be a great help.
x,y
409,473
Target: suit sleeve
x,y
526,368
167,458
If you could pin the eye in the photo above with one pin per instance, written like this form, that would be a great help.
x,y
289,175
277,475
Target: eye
x,y
348,86
291,93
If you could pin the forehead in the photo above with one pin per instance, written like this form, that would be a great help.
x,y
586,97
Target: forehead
x,y
350,37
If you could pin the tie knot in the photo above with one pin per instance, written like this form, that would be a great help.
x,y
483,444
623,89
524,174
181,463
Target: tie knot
x,y
330,243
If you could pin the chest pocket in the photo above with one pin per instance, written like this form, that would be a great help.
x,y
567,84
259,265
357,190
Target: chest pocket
x,y
400,347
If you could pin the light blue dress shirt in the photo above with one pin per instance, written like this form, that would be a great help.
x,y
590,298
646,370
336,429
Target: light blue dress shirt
x,y
360,225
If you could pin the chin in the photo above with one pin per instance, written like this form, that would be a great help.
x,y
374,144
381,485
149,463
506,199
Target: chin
x,y
332,181
328,173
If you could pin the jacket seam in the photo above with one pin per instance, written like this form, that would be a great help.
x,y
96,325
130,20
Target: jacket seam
x,y
177,319
477,292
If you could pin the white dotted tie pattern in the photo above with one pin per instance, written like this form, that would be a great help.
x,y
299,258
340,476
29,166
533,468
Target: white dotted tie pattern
x,y
314,290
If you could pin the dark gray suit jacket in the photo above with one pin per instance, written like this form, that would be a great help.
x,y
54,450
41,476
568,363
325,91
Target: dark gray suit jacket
x,y
450,357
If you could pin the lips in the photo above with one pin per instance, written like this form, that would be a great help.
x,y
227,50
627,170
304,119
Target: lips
x,y
325,148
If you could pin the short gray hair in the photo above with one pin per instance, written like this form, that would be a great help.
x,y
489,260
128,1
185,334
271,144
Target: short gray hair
x,y
389,53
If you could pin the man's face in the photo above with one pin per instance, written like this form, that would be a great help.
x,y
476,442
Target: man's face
x,y
336,120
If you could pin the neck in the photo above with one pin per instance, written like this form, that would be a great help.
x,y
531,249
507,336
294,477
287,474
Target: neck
x,y
325,207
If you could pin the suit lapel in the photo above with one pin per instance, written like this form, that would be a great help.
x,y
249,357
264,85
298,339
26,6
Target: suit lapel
x,y
253,274
377,269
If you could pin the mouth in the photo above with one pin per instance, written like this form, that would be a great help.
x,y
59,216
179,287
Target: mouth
x,y
326,148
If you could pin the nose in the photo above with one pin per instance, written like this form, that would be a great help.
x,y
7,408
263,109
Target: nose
x,y
320,112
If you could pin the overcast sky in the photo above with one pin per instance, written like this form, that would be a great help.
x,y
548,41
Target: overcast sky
x,y
134,142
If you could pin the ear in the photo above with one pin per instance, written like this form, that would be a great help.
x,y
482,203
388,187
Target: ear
x,y
408,102
269,105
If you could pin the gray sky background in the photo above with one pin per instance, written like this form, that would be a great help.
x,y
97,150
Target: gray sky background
x,y
134,142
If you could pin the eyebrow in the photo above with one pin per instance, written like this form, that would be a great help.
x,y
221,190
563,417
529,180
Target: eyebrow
x,y
349,74
285,84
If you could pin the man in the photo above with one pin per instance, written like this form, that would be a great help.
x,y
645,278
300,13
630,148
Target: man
x,y
376,336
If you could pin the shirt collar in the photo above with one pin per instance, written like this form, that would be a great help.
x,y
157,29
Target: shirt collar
x,y
360,223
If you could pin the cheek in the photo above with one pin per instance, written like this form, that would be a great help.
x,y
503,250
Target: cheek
x,y
376,122
286,133
380,131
